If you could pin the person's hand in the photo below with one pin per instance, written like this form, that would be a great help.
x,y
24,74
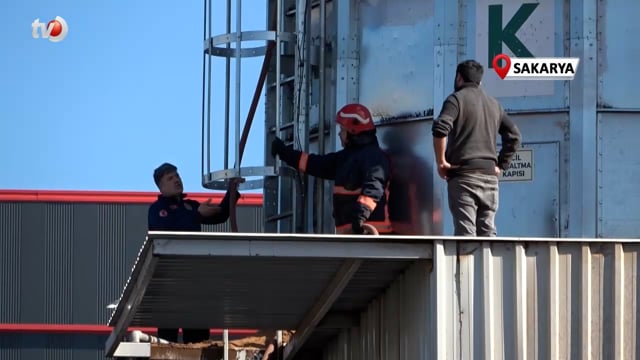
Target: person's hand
x,y
234,183
443,167
498,171
277,146
207,209
356,227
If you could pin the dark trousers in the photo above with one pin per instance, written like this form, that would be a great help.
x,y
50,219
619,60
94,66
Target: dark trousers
x,y
188,335
473,201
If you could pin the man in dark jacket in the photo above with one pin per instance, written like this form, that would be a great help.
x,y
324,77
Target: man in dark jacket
x,y
172,211
468,127
360,172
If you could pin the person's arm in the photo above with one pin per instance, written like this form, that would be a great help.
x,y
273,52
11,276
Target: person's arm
x,y
442,126
322,166
439,149
374,185
511,140
440,130
218,214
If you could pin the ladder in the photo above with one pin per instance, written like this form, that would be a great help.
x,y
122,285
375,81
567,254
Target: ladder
x,y
287,107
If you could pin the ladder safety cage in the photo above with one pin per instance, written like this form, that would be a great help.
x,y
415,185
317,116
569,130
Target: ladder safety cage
x,y
220,46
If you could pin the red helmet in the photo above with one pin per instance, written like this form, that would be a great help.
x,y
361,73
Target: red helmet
x,y
356,118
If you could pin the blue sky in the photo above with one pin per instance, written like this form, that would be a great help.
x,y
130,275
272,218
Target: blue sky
x,y
121,94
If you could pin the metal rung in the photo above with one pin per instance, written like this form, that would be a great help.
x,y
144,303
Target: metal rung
x,y
283,81
282,127
284,215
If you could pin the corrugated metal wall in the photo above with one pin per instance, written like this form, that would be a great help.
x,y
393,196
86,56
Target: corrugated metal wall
x,y
536,300
63,263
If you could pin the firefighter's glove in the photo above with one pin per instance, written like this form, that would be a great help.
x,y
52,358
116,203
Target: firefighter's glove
x,y
277,147
356,227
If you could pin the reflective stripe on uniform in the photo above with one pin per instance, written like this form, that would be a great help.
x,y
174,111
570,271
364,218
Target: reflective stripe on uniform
x,y
367,201
302,163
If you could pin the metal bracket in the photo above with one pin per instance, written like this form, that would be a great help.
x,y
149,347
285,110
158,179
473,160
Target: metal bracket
x,y
219,180
211,48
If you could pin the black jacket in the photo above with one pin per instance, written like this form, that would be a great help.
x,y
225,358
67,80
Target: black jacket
x,y
181,214
472,120
360,173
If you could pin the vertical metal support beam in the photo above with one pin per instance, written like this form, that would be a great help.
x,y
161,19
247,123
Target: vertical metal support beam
x,y
301,107
203,157
619,337
583,120
348,50
446,42
586,304
446,327
225,339
227,81
279,343
347,66
307,222
488,302
208,125
278,114
520,307
322,109
238,80
553,316
278,75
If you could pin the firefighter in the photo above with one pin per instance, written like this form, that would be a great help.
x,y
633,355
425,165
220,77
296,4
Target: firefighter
x,y
173,212
360,171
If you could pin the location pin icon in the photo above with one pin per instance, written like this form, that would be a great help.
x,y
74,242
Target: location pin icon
x,y
501,70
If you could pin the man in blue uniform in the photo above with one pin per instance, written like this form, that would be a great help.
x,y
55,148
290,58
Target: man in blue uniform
x,y
360,171
172,211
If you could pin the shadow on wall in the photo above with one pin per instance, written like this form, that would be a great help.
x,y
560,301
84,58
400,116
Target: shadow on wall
x,y
413,207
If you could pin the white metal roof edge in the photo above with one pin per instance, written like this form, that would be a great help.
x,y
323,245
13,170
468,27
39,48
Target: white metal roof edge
x,y
363,238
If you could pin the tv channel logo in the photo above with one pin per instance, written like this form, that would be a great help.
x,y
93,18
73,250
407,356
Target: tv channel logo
x,y
55,30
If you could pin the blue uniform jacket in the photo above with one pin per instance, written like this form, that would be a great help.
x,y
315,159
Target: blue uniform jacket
x,y
181,214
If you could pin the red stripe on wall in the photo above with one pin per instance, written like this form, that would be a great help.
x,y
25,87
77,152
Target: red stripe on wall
x,y
92,329
122,197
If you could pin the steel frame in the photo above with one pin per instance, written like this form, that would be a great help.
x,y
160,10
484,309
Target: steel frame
x,y
353,249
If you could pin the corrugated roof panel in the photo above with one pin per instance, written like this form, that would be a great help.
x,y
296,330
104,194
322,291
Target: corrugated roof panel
x,y
233,292
259,281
